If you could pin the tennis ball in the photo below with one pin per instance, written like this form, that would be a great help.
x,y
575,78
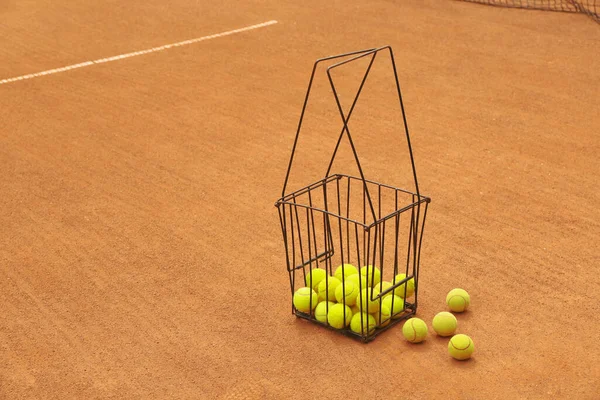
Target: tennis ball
x,y
321,310
326,289
461,347
346,293
314,277
363,324
365,304
358,280
395,304
410,286
415,330
444,323
458,300
382,287
336,316
305,299
383,316
355,309
367,272
348,269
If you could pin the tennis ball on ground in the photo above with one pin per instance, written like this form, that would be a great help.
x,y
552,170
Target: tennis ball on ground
x,y
358,280
321,310
382,287
314,277
304,299
395,304
365,304
461,347
410,286
458,300
326,289
348,270
363,324
367,272
336,316
444,323
346,292
383,316
415,330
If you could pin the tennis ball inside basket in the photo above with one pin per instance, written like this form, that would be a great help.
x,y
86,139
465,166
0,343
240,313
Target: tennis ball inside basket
x,y
458,300
314,277
322,309
346,292
444,323
365,304
336,316
461,347
326,289
383,316
409,285
359,280
415,330
382,287
372,274
305,300
347,270
363,324
395,304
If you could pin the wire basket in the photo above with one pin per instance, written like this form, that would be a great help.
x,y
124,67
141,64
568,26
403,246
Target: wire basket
x,y
353,245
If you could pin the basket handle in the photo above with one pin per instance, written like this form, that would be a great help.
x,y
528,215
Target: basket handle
x,y
310,83
345,118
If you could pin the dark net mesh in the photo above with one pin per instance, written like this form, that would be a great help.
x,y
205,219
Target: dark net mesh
x,y
588,7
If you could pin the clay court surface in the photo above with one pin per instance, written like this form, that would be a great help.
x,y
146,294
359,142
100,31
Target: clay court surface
x,y
141,254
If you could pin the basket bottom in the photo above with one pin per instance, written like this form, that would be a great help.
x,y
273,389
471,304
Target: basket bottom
x,y
410,310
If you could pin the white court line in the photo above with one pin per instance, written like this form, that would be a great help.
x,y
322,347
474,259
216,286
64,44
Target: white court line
x,y
135,53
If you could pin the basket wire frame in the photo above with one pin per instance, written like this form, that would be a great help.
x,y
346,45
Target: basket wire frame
x,y
350,219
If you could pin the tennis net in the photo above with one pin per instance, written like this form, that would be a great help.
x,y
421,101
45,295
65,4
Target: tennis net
x,y
588,7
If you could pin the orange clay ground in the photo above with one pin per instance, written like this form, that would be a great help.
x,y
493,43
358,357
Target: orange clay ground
x,y
140,251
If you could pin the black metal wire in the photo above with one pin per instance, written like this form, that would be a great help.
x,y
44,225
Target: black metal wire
x,y
312,76
410,152
346,118
417,269
590,8
348,216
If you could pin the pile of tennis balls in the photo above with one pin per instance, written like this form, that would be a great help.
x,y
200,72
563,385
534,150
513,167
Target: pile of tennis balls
x,y
460,346
343,301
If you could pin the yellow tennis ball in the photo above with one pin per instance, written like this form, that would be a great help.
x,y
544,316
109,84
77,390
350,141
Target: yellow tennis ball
x,y
382,287
383,316
368,272
395,304
364,302
355,309
305,299
461,347
322,309
336,316
363,324
444,323
409,285
415,330
348,269
458,300
326,289
314,277
358,280
346,293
